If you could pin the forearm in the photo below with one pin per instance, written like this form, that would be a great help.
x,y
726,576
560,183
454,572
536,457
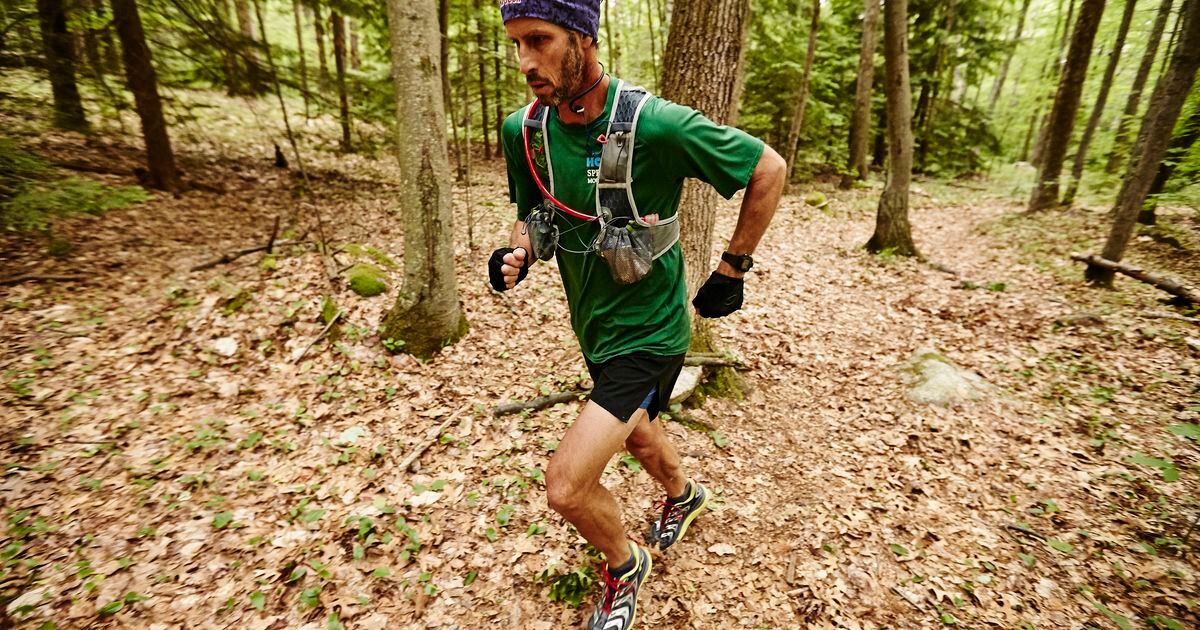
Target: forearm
x,y
758,207
520,237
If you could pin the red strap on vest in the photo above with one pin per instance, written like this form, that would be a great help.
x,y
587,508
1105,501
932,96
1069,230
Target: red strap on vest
x,y
533,170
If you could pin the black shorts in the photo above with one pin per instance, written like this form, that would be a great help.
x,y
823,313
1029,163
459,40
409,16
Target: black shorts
x,y
630,382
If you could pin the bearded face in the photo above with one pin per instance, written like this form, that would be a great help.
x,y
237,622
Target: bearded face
x,y
552,59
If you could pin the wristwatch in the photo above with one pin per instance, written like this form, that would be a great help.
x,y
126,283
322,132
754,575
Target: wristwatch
x,y
742,262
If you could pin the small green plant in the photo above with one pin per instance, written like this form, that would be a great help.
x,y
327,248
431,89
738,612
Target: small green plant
x,y
37,204
393,345
571,587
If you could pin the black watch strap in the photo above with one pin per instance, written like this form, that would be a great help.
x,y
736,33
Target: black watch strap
x,y
742,262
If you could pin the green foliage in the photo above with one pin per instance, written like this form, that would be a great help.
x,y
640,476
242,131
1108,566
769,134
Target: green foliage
x,y
571,587
36,205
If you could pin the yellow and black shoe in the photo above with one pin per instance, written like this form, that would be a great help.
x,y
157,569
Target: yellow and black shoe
x,y
618,605
678,514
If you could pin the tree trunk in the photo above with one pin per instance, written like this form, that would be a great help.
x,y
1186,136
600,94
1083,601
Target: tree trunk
x,y
1044,123
653,52
1181,144
110,54
701,65
444,53
339,61
938,86
497,85
229,56
1120,142
892,230
801,98
296,15
483,92
142,81
1110,71
253,74
1151,146
60,65
1066,105
319,30
614,54
998,86
427,314
860,122
355,60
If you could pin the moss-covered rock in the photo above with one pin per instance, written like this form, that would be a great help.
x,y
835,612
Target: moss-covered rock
x,y
366,280
815,199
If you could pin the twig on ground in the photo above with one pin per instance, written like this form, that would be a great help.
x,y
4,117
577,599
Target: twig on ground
x,y
37,277
1170,285
908,597
229,257
274,233
1176,317
1024,530
714,361
324,331
430,438
536,403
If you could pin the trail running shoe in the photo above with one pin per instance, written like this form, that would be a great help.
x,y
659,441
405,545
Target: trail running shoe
x,y
618,605
676,517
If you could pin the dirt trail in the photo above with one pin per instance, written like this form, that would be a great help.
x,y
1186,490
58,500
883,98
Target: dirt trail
x,y
165,440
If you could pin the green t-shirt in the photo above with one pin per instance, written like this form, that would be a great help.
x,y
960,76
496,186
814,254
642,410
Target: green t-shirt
x,y
672,142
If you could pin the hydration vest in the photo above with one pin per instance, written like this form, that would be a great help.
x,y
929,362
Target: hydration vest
x,y
614,188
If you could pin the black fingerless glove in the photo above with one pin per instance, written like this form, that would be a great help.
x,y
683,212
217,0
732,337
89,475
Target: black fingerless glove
x,y
495,276
720,296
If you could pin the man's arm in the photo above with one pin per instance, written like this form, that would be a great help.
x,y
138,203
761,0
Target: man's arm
x,y
758,207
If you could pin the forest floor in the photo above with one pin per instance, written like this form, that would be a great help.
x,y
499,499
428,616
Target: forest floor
x,y
173,457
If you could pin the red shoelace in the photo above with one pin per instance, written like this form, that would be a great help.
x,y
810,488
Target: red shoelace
x,y
612,586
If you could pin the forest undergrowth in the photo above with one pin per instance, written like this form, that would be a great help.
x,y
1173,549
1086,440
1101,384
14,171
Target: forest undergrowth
x,y
221,447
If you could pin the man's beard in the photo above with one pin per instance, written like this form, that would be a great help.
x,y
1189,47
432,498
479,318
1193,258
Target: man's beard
x,y
572,78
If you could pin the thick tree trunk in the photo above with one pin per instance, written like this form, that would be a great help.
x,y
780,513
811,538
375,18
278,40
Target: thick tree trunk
x,y
998,86
483,91
1151,146
139,74
296,15
1066,105
427,314
801,98
253,74
700,69
1181,144
860,121
60,65
1121,141
892,230
1110,71
319,31
339,61
1059,60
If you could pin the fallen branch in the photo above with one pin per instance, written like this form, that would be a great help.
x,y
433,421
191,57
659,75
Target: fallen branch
x,y
430,439
324,331
1027,531
229,257
1179,318
1170,285
37,277
714,361
537,403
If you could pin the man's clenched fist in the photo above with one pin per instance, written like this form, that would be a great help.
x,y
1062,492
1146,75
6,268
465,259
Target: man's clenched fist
x,y
507,267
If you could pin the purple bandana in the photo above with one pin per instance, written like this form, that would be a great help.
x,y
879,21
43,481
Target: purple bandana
x,y
582,16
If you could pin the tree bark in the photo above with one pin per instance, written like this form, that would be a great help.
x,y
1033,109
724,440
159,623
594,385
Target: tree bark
x,y
1170,285
801,98
355,61
701,64
1121,141
1110,71
229,56
319,30
427,314
483,92
1181,144
296,15
614,54
998,86
143,82
1153,138
653,51
60,65
1066,104
339,61
253,74
497,85
1044,123
892,230
860,121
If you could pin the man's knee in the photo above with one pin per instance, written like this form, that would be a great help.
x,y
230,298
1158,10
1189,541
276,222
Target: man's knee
x,y
564,494
646,438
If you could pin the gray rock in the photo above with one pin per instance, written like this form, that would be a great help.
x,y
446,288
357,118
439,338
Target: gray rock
x,y
688,379
935,380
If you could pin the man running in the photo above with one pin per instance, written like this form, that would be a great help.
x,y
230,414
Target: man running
x,y
626,290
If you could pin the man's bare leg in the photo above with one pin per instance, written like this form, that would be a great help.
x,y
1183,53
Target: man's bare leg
x,y
649,444
573,480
